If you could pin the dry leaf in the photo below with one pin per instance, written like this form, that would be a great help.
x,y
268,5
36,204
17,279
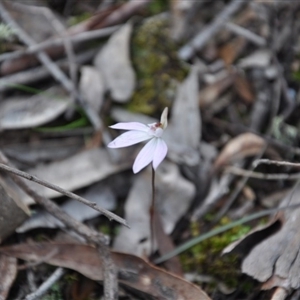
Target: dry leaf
x,y
92,87
212,92
113,62
76,171
132,271
42,150
18,113
183,134
259,59
243,88
244,145
8,271
231,50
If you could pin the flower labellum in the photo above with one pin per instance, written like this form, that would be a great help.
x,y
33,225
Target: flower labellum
x,y
154,151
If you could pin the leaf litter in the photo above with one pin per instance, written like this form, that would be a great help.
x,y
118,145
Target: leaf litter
x,y
237,103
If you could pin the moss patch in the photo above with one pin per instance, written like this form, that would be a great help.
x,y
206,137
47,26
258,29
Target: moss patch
x,y
205,258
158,69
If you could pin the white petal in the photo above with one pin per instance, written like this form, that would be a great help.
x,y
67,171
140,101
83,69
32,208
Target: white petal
x,y
159,153
145,156
164,118
130,126
129,138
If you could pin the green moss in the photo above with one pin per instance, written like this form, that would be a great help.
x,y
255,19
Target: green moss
x,y
54,293
205,258
79,18
158,6
157,66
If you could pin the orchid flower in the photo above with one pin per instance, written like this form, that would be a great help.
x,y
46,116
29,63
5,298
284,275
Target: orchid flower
x,y
154,151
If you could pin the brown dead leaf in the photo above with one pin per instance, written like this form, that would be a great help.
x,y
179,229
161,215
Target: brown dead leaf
x,y
212,92
244,145
243,88
8,271
231,50
132,270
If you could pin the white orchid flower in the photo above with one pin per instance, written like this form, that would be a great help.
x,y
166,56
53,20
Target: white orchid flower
x,y
154,151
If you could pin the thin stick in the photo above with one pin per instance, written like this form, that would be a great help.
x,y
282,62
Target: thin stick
x,y
43,289
151,212
108,214
258,175
246,33
275,162
200,40
41,72
54,42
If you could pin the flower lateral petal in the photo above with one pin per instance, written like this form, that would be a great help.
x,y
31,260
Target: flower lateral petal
x,y
130,126
145,156
159,153
129,138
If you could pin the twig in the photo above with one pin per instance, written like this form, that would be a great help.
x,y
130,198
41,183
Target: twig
x,y
199,41
68,45
108,214
52,67
31,280
94,237
246,33
275,162
54,42
258,175
43,289
40,73
123,13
